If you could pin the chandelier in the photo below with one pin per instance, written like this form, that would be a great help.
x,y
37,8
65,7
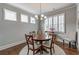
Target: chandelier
x,y
40,16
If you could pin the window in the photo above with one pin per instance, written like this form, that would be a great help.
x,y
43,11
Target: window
x,y
61,23
58,23
9,15
55,23
32,20
48,24
46,27
24,18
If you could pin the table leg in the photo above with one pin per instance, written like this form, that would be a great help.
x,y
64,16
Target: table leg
x,y
38,50
41,48
44,49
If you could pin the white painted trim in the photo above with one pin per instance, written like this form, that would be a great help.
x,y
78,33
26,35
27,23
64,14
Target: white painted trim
x,y
11,45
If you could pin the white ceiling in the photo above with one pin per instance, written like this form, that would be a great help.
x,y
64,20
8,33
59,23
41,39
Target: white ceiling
x,y
35,7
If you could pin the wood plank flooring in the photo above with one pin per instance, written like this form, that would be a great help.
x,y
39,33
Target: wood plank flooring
x,y
68,51
16,49
13,50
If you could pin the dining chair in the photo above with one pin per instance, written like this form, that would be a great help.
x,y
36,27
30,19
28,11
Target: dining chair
x,y
30,43
51,43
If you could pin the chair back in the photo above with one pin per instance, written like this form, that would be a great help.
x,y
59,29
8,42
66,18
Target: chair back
x,y
53,39
30,43
29,39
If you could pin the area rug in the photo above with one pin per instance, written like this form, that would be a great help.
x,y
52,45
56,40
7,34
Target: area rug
x,y
58,51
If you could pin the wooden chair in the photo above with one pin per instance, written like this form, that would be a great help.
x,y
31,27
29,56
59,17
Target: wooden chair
x,y
30,43
51,43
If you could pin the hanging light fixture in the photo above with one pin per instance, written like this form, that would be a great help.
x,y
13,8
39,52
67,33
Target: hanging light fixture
x,y
40,16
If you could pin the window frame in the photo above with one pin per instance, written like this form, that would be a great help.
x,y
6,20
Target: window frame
x,y
64,31
46,25
56,23
24,15
9,10
63,22
33,19
50,22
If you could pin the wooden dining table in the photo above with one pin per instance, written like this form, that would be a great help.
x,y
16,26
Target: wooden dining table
x,y
41,39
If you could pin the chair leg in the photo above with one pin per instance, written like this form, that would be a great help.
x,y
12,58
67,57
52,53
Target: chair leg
x,y
50,51
28,52
53,50
69,44
33,52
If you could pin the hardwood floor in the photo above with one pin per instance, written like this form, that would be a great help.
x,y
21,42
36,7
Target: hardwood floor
x,y
16,49
68,51
13,50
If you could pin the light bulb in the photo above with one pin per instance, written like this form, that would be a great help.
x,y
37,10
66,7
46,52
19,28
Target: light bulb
x,y
45,17
36,16
42,15
41,18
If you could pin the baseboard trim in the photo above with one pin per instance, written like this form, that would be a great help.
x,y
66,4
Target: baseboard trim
x,y
11,45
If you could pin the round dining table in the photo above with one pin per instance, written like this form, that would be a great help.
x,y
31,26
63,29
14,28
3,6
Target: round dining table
x,y
41,40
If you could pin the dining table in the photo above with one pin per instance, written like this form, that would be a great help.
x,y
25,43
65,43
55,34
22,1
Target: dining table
x,y
41,39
